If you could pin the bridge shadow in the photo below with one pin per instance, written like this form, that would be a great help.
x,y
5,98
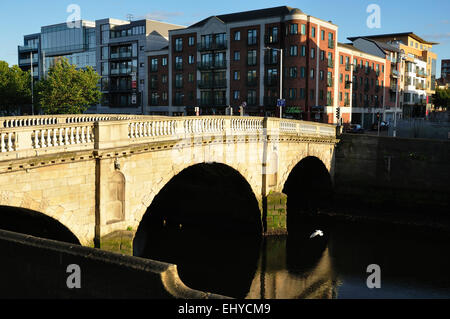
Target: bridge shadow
x,y
207,221
36,224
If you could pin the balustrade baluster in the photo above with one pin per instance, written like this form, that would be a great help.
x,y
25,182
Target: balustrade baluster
x,y
49,139
2,143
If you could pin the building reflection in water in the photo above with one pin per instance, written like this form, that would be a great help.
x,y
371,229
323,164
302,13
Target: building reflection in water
x,y
290,268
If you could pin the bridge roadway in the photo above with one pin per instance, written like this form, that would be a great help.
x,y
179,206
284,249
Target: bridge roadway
x,y
97,174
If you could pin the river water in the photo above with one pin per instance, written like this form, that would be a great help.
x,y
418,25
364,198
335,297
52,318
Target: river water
x,y
413,263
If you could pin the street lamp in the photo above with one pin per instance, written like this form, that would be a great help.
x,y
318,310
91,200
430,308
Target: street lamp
x,y
32,83
281,76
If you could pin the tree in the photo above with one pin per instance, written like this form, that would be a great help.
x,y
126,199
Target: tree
x,y
442,98
67,90
15,88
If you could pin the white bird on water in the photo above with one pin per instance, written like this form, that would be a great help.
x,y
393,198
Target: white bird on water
x,y
316,233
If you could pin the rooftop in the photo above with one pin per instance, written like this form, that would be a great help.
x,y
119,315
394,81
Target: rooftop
x,y
251,15
395,35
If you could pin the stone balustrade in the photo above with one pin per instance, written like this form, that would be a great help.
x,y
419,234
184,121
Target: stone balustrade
x,y
24,137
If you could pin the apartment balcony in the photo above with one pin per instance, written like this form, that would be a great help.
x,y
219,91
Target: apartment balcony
x,y
421,74
420,87
178,84
178,101
212,84
120,89
394,73
270,60
271,81
217,101
26,48
121,56
271,39
252,62
252,82
347,66
120,71
27,62
347,102
179,66
154,102
212,65
220,46
348,84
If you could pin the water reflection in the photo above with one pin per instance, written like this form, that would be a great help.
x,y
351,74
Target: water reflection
x,y
413,264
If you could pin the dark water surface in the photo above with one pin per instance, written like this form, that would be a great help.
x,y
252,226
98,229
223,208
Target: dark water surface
x,y
414,264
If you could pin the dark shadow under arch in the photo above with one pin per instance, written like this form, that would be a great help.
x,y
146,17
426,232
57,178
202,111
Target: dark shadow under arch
x,y
25,221
207,221
309,188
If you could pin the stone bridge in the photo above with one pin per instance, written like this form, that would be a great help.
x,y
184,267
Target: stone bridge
x,y
98,174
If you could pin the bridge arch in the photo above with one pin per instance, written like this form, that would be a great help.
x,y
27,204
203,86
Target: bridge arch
x,y
203,219
309,188
31,222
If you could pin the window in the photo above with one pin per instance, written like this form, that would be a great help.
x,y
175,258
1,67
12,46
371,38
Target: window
x,y
105,68
312,74
292,94
178,63
191,41
237,55
321,75
322,55
191,59
293,72
293,50
179,81
236,95
341,78
313,53
164,61
302,72
237,36
342,59
311,94
293,29
303,50
178,45
251,57
141,48
322,35
164,78
302,93
141,65
251,97
303,29
252,37
191,77
105,53
313,32
237,75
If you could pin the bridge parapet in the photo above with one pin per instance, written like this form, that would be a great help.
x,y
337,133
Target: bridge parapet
x,y
38,120
102,132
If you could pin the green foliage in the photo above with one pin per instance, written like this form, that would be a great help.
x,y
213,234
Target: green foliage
x,y
442,98
67,90
15,88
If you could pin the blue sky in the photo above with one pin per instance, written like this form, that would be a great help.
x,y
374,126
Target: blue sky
x,y
429,19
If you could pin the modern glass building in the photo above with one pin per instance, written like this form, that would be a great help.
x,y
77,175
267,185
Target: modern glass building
x,y
77,44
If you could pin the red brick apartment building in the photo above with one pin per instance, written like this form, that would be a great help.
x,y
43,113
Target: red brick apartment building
x,y
235,59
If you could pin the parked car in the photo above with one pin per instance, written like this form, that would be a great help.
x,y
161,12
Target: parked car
x,y
355,128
